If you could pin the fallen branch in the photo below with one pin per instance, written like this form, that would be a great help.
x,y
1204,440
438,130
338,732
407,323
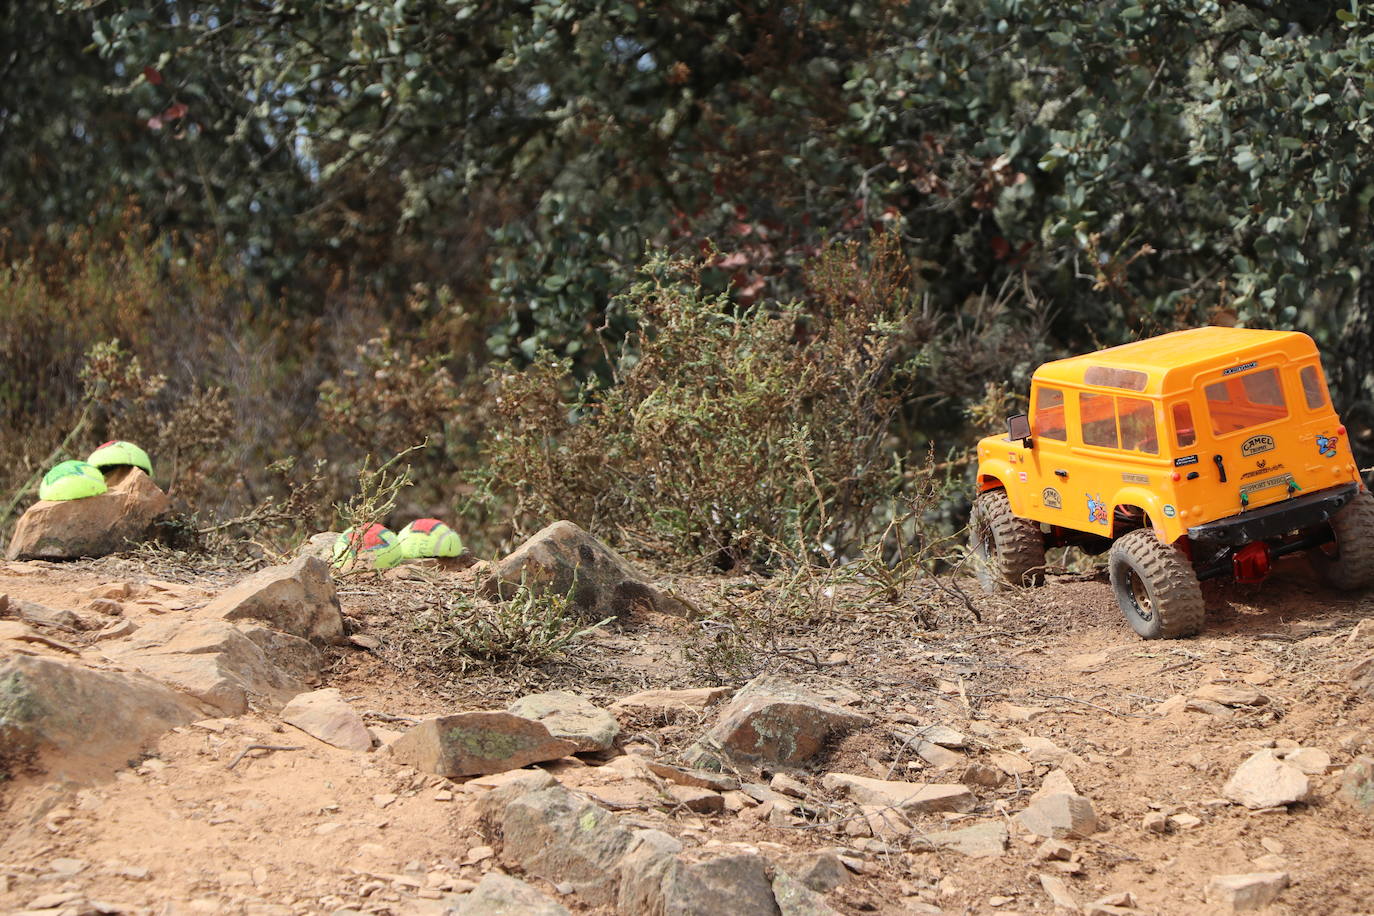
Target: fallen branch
x,y
261,747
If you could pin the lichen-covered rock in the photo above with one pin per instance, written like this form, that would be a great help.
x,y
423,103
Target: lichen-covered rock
x,y
476,743
772,720
91,527
562,559
1357,784
555,835
298,598
569,716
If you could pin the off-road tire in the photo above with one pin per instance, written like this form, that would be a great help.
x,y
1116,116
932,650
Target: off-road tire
x,y
1350,563
1171,606
1007,550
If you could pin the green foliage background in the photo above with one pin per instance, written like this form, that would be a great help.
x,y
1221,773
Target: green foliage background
x,y
482,178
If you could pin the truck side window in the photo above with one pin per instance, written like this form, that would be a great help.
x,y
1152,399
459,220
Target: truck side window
x,y
1097,413
1049,415
1313,387
1183,425
1137,421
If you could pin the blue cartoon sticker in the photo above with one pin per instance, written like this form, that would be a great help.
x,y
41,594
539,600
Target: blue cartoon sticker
x,y
1327,445
1097,510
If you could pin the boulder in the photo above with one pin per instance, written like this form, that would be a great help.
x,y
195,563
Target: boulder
x,y
1265,781
1357,783
323,714
773,721
794,898
501,895
570,717
475,743
667,701
555,835
734,884
298,598
641,872
562,559
91,527
1241,893
1059,816
89,719
907,797
212,661
981,841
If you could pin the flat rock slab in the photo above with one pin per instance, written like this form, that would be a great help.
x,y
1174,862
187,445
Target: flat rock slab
x,y
477,743
562,559
907,797
570,717
665,701
94,720
774,721
298,598
1242,893
93,527
323,714
981,841
1265,781
501,895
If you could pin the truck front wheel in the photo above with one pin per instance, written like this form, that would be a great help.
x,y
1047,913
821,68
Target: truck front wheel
x,y
1347,562
1155,586
1006,550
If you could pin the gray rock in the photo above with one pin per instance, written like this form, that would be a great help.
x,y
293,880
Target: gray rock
x,y
734,884
475,743
1265,781
794,898
1241,893
773,721
822,871
641,872
560,837
1361,675
1059,816
501,895
297,658
91,720
323,714
1357,783
298,598
981,841
570,717
563,559
91,527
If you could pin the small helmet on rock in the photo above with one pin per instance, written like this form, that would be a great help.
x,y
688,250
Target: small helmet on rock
x,y
376,545
429,537
118,453
72,480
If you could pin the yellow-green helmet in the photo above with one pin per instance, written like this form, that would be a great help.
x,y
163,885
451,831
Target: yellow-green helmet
x,y
377,544
72,480
118,453
429,537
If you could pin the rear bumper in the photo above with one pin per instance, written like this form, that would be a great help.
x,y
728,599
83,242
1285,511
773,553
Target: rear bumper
x,y
1273,520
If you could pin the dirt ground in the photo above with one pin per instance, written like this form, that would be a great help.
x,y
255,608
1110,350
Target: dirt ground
x,y
320,830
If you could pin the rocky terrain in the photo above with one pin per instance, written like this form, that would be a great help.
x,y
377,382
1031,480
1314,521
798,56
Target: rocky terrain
x,y
198,739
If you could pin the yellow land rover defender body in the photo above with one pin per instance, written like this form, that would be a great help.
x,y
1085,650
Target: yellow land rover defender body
x,y
1191,455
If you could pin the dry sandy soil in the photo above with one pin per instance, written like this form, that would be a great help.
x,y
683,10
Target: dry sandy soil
x,y
316,829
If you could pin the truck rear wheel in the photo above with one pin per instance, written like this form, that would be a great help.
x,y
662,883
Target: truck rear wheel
x,y
1155,586
1006,550
1348,562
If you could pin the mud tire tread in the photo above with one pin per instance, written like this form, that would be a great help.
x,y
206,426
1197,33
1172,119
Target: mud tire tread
x,y
1354,527
1168,576
1017,549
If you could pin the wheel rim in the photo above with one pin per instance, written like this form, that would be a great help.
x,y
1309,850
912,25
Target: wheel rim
x,y
1140,598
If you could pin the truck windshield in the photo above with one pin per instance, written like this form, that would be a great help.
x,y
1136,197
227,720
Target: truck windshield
x,y
1245,401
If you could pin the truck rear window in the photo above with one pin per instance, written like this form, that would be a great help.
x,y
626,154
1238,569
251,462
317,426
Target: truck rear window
x,y
1245,401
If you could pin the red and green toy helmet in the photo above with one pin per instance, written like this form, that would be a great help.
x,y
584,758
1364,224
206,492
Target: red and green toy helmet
x,y
375,545
429,537
71,480
117,453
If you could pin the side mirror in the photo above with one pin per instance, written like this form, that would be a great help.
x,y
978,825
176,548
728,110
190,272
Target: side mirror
x,y
1018,427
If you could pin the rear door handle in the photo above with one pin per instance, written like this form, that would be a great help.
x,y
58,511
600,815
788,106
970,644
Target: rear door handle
x,y
1221,466
1059,472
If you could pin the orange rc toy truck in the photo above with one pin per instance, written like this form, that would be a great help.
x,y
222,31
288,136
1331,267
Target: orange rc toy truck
x,y
1189,456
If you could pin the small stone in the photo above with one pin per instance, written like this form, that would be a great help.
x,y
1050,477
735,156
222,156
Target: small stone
x,y
1053,851
383,800
980,774
980,841
1184,821
1231,695
65,867
1362,634
1059,816
911,798
1272,845
773,720
324,714
1172,705
1270,862
1357,783
822,871
1059,892
474,743
1240,893
478,854
117,630
1211,707
702,801
1361,675
1155,822
1265,781
1011,764
501,895
1056,782
703,779
793,898
443,795
787,785
1311,760
570,717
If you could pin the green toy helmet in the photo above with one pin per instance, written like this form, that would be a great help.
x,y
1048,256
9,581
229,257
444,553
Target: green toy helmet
x,y
118,453
71,480
375,543
429,537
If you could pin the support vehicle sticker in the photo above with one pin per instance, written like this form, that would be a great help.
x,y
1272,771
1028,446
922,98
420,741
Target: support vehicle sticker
x,y
1327,445
1097,509
1052,499
1169,511
1135,478
1022,475
1266,483
1185,460
1257,444
1263,467
1241,368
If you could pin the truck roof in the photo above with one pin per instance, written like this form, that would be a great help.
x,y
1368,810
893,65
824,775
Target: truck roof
x,y
1171,362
